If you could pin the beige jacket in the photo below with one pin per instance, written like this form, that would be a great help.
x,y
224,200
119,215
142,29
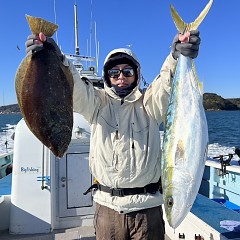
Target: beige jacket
x,y
125,147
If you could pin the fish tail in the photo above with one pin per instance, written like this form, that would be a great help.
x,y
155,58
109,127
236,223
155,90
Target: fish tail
x,y
38,25
182,26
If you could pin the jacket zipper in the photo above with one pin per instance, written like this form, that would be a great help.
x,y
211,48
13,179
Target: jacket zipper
x,y
132,137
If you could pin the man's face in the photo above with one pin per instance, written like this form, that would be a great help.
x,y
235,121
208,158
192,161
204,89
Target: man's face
x,y
121,75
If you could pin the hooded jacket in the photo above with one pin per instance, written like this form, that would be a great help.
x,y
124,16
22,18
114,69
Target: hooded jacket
x,y
125,147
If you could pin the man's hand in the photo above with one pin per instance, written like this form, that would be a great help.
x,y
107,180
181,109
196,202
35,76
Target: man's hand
x,y
188,45
36,43
33,44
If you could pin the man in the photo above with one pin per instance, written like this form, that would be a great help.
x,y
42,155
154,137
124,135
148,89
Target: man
x,y
125,152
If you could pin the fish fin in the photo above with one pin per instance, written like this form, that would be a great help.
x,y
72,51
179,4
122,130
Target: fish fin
x,y
179,154
200,84
182,26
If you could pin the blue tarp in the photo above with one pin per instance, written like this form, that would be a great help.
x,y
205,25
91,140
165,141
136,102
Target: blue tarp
x,y
212,213
227,204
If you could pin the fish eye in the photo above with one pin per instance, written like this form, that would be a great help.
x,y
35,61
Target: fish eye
x,y
170,202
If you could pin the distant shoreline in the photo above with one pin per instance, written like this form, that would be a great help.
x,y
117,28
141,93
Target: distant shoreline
x,y
211,102
2,113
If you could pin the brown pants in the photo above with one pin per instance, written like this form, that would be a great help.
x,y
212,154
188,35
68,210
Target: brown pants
x,y
147,224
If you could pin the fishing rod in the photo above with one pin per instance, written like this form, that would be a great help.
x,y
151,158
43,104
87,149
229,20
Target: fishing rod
x,y
226,162
5,131
230,155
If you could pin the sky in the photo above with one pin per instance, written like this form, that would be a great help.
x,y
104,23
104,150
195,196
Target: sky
x,y
146,26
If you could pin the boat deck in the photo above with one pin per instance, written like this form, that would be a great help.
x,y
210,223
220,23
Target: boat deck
x,y
85,233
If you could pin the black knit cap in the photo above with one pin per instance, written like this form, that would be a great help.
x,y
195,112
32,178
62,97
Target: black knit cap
x,y
116,59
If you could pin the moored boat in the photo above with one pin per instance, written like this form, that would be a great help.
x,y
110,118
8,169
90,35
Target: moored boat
x,y
5,163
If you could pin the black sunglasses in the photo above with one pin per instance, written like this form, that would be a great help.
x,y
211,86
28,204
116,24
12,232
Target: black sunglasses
x,y
115,73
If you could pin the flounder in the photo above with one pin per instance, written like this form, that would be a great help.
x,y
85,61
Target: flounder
x,y
44,88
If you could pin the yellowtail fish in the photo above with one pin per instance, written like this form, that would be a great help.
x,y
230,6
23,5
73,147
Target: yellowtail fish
x,y
186,135
44,88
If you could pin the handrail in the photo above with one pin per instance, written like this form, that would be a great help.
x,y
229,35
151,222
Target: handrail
x,y
231,168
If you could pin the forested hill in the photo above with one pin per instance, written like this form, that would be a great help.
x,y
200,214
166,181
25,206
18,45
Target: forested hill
x,y
211,102
13,108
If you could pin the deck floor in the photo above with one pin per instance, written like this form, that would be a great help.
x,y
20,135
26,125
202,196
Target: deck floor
x,y
84,233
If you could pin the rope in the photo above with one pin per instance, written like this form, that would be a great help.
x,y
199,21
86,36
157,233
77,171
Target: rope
x,y
144,81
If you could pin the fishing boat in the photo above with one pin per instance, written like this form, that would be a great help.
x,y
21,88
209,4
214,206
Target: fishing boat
x,y
56,186
91,73
43,197
7,156
5,164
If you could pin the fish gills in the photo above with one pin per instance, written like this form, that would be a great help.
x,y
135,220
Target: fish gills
x,y
44,88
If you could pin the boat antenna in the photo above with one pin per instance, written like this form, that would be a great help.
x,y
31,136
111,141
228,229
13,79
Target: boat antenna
x,y
97,46
90,43
55,18
77,51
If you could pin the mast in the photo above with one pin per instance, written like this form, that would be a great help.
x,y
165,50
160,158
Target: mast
x,y
90,44
77,51
55,19
96,46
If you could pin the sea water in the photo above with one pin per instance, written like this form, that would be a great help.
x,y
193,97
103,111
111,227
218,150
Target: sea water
x,y
224,133
223,128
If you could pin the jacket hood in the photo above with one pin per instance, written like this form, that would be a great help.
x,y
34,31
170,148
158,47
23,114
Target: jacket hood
x,y
118,56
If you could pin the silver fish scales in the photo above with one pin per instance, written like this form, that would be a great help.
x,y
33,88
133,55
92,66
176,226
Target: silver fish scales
x,y
186,135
